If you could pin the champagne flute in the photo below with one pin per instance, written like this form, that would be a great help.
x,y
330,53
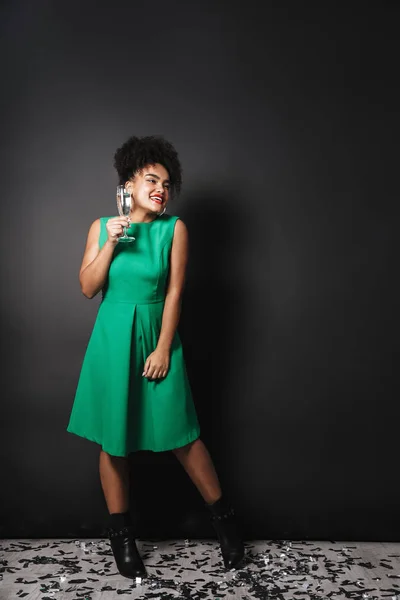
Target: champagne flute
x,y
124,203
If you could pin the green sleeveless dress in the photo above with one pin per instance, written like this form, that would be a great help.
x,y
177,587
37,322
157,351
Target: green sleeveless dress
x,y
115,406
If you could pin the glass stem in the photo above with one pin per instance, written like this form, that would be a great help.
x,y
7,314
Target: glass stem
x,y
125,232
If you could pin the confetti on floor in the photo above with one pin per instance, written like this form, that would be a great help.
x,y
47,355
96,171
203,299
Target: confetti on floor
x,y
183,569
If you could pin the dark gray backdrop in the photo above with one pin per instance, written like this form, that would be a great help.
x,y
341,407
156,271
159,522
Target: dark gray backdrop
x,y
286,122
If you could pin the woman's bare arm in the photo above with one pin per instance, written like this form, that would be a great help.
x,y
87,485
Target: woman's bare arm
x,y
173,298
96,262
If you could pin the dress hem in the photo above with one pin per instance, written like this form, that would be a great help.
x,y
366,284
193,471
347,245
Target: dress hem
x,y
194,434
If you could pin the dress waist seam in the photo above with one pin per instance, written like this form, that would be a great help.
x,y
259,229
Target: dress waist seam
x,y
109,301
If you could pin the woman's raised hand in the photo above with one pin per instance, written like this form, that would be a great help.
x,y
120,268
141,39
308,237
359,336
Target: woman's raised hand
x,y
115,228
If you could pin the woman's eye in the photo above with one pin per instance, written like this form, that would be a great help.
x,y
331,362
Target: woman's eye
x,y
167,185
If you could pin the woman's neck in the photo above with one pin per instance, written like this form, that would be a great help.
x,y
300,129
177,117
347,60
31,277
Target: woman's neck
x,y
137,216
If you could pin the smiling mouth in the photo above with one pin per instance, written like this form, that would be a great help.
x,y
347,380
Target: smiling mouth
x,y
156,200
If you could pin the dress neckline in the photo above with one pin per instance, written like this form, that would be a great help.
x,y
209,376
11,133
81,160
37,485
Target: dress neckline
x,y
145,222
142,222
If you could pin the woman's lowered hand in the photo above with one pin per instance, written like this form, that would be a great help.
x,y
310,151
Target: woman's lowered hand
x,y
157,364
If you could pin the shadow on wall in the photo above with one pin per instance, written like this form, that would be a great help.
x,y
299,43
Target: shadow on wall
x,y
212,304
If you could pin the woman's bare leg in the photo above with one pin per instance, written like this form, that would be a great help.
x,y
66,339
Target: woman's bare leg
x,y
198,464
114,477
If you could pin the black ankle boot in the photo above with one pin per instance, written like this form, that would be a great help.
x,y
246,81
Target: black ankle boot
x,y
126,554
223,519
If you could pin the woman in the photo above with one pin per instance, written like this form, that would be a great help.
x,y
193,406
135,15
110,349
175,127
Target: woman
x,y
133,392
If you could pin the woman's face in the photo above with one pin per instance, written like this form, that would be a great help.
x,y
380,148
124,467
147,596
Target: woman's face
x,y
150,188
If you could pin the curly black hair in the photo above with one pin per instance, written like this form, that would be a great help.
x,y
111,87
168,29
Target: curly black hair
x,y
138,152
